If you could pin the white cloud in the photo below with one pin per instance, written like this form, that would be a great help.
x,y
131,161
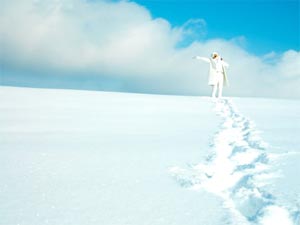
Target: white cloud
x,y
192,30
122,41
290,64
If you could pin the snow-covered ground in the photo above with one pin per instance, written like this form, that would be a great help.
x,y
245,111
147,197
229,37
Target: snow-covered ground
x,y
82,157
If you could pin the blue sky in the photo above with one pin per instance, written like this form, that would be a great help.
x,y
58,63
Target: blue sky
x,y
267,25
147,46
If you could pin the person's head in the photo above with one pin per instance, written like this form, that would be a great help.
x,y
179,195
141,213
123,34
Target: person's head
x,y
214,55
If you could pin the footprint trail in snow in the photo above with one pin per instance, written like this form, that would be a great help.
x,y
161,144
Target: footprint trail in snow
x,y
237,171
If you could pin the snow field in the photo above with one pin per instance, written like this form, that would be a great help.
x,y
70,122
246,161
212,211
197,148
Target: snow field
x,y
238,171
83,157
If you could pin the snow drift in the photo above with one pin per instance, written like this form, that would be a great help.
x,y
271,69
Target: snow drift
x,y
80,157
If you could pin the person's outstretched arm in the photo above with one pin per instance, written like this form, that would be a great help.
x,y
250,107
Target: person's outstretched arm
x,y
202,58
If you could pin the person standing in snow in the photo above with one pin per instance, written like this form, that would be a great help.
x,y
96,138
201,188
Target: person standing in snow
x,y
217,73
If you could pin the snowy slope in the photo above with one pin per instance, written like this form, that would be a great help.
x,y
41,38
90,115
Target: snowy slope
x,y
245,171
80,157
279,123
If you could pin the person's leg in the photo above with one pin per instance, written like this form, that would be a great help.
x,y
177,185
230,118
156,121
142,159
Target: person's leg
x,y
214,90
220,84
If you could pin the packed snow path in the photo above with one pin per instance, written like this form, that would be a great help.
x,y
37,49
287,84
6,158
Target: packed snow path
x,y
237,171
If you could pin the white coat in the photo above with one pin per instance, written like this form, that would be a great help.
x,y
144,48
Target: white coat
x,y
215,66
